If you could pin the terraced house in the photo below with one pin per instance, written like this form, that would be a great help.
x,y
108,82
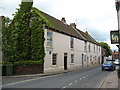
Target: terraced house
x,y
66,47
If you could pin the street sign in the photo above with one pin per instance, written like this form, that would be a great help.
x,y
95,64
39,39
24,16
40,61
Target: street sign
x,y
114,35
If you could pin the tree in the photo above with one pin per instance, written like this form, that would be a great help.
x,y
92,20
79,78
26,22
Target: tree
x,y
18,47
5,36
26,36
107,47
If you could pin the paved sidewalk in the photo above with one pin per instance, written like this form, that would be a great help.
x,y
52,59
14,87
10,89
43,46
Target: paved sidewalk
x,y
111,81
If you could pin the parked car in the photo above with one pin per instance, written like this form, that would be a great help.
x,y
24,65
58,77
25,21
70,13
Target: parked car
x,y
117,62
108,65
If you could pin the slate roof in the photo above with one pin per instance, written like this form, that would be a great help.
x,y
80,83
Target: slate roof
x,y
58,26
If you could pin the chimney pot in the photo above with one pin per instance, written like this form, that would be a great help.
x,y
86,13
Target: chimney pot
x,y
73,25
63,20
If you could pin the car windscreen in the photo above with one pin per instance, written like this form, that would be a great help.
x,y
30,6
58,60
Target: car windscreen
x,y
117,60
107,63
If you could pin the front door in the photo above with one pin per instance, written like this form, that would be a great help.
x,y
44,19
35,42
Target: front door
x,y
65,61
87,61
82,59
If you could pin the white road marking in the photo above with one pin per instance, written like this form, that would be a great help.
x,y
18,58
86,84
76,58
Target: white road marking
x,y
80,78
84,77
87,75
64,87
70,83
21,82
101,84
76,81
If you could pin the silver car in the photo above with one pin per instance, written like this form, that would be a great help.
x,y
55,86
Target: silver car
x,y
117,62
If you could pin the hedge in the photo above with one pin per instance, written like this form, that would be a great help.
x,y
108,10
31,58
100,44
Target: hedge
x,y
23,63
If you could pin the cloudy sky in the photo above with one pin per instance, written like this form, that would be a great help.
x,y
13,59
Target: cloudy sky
x,y
98,17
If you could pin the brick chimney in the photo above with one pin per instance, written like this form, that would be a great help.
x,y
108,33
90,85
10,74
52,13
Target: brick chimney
x,y
63,20
73,25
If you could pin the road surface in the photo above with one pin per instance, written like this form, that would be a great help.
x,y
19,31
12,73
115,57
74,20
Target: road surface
x,y
84,78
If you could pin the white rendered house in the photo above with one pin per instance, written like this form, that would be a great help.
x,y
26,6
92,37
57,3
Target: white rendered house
x,y
66,47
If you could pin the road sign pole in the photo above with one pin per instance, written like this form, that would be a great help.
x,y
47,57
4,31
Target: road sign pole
x,y
118,17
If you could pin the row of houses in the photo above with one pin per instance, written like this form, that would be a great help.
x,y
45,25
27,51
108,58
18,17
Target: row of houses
x,y
68,48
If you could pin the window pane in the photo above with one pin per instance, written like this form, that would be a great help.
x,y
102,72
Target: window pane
x,y
54,59
71,42
72,58
49,34
49,39
49,43
85,45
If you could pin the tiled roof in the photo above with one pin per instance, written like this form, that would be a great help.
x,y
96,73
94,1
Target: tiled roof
x,y
115,53
88,37
58,25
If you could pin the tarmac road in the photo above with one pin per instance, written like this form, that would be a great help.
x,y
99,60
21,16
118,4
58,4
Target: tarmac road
x,y
84,78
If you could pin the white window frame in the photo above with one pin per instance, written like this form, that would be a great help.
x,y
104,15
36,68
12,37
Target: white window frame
x,y
49,39
54,59
71,42
72,58
85,46
89,47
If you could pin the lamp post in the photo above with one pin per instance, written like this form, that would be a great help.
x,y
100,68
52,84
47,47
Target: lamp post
x,y
117,3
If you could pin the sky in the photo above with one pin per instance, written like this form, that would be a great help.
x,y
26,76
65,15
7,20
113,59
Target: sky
x,y
98,17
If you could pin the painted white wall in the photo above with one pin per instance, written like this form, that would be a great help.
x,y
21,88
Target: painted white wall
x,y
96,55
61,45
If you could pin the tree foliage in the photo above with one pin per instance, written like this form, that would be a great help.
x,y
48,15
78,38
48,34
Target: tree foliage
x,y
107,47
25,36
5,35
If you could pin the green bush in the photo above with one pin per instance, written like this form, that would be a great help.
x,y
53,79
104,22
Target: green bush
x,y
5,63
25,63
